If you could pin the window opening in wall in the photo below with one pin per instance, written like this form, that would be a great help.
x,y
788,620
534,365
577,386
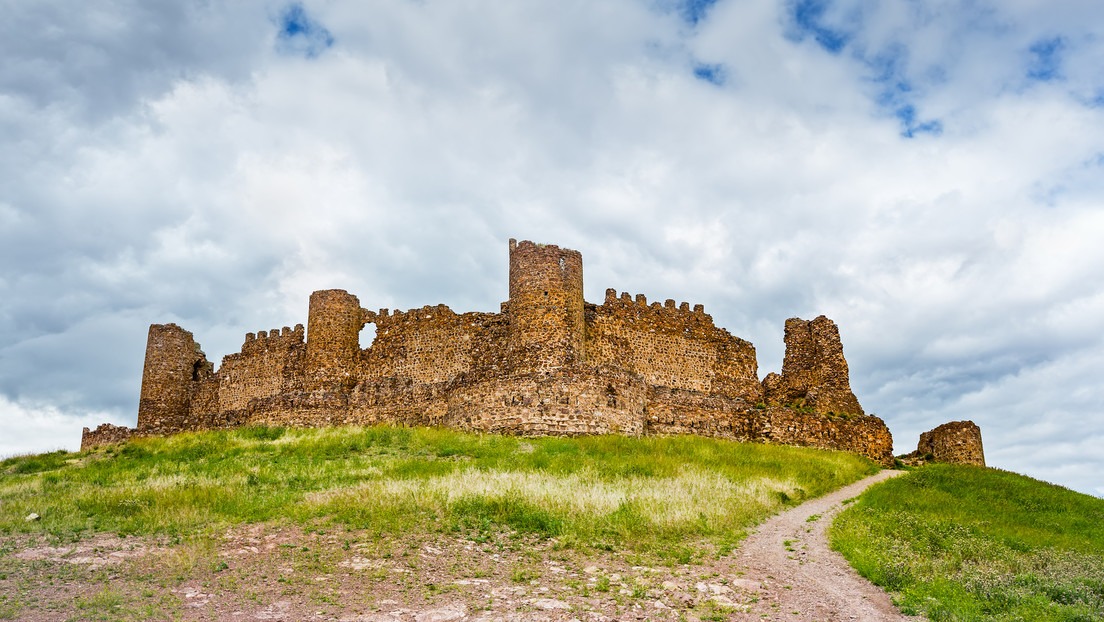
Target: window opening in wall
x,y
367,336
563,264
195,370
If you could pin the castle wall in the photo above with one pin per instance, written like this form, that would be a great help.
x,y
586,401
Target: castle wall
x,y
671,346
264,367
427,345
105,434
204,408
598,401
683,412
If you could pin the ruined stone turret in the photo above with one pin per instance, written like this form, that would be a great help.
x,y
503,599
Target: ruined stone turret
x,y
333,337
546,306
175,366
955,442
814,371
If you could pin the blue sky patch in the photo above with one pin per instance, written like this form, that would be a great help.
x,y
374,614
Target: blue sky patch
x,y
911,126
808,21
694,11
1046,59
714,74
301,34
895,92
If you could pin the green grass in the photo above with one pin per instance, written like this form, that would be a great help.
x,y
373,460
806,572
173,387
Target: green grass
x,y
967,543
648,494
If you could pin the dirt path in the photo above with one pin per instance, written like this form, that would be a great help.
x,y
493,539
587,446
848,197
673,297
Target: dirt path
x,y
798,578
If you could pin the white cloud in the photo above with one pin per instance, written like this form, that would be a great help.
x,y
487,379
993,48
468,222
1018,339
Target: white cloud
x,y
38,428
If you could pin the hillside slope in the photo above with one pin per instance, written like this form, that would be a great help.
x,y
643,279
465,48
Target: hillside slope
x,y
970,543
269,523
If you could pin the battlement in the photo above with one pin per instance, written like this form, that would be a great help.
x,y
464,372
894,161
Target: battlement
x,y
275,338
547,363
640,304
427,312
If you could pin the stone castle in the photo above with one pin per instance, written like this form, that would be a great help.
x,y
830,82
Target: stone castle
x,y
549,363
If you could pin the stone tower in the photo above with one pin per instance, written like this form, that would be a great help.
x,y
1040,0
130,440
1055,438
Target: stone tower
x,y
333,337
174,366
814,371
546,307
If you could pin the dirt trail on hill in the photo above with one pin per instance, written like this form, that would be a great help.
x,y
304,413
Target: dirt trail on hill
x,y
798,577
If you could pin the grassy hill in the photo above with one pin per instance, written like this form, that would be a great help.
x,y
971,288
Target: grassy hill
x,y
309,516
313,516
649,494
968,543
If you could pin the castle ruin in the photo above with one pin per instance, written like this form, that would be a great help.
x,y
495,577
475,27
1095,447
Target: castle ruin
x,y
954,442
549,363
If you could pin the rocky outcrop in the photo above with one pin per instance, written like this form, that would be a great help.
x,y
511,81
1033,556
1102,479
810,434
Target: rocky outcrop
x,y
814,371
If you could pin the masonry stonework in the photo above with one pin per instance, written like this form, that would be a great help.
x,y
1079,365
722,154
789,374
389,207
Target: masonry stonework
x,y
549,363
956,442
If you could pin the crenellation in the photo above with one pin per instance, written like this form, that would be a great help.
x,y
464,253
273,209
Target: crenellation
x,y
547,363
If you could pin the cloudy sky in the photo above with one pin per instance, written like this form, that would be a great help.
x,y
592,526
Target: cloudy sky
x,y
928,174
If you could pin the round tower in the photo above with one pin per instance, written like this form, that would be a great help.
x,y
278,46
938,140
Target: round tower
x,y
333,334
174,364
546,306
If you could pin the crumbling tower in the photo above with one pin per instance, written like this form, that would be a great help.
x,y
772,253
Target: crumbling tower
x,y
957,442
546,307
814,371
174,366
333,337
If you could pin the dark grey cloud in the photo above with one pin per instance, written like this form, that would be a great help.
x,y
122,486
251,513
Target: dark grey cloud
x,y
102,60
